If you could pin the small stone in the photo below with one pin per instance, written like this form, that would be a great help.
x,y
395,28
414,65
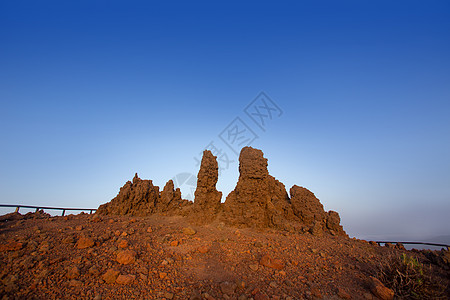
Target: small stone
x,y
123,244
267,261
126,257
44,247
11,246
94,271
261,296
282,273
142,270
241,284
75,283
316,292
79,227
110,276
379,290
85,242
68,240
189,231
203,249
162,275
174,243
253,267
125,279
168,295
228,288
242,297
273,284
73,272
149,230
343,294
143,277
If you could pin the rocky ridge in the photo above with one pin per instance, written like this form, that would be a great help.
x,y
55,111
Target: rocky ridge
x,y
258,200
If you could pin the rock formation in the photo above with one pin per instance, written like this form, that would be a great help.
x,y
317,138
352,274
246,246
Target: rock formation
x,y
310,212
258,200
142,198
207,200
170,198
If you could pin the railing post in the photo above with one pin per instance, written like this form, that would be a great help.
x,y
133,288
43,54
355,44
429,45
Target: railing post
x,y
64,211
37,209
17,209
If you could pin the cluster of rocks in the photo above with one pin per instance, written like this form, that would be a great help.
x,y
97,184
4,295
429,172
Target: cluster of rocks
x,y
142,198
259,200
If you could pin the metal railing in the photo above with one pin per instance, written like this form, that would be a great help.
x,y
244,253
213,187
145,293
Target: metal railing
x,y
414,243
63,209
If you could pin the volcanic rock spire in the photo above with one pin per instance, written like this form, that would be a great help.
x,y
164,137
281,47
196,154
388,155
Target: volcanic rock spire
x,y
207,197
259,200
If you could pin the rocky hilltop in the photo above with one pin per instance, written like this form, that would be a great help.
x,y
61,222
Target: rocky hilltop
x,y
260,244
258,200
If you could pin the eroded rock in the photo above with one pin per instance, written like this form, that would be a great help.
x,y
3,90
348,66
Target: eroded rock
x,y
207,198
258,200
142,198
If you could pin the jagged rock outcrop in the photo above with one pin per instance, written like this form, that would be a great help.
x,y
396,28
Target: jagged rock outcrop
x,y
170,199
306,206
311,213
207,202
259,200
142,198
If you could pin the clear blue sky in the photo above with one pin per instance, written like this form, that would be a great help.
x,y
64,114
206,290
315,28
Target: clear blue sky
x,y
93,91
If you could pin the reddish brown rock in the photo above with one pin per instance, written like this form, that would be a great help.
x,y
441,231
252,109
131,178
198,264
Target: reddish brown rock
x,y
261,296
207,199
343,294
73,272
269,262
306,206
379,290
75,283
170,199
125,279
110,276
142,198
333,223
316,293
137,198
203,249
258,200
11,246
311,213
126,257
84,242
122,244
